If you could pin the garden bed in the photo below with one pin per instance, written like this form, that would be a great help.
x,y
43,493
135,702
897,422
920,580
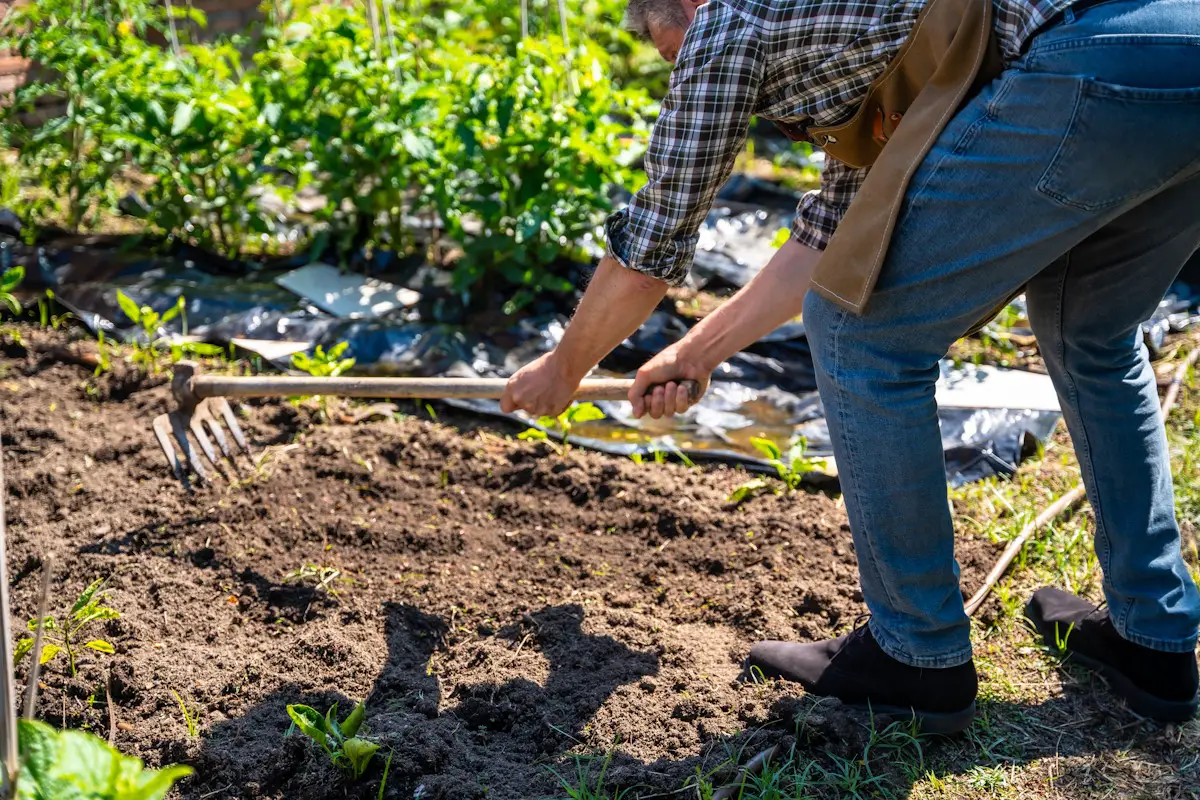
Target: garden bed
x,y
510,607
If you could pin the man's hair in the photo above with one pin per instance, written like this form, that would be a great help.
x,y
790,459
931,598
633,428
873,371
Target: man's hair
x,y
664,12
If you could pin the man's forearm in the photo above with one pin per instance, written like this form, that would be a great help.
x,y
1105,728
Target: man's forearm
x,y
615,304
775,296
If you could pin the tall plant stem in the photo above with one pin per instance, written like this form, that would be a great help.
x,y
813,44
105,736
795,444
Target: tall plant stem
x,y
373,14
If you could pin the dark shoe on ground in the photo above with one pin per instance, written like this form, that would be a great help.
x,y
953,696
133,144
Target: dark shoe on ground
x,y
854,669
1162,686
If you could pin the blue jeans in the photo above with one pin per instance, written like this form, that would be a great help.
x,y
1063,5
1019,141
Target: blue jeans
x,y
1076,173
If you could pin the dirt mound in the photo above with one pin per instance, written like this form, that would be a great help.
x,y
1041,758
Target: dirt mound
x,y
501,606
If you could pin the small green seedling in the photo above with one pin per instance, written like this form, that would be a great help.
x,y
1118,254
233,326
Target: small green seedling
x,y
660,456
9,281
577,413
151,322
345,749
191,716
65,638
74,764
791,466
322,364
105,350
1060,639
321,578
46,319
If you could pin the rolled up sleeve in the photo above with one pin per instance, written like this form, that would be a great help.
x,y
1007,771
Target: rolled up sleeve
x,y
699,134
821,210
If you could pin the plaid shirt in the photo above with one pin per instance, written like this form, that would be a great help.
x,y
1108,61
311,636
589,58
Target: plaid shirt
x,y
800,62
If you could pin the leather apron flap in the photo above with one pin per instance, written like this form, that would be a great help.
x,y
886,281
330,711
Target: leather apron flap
x,y
950,52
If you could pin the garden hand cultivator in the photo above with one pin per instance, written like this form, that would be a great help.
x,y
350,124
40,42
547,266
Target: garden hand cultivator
x,y
201,404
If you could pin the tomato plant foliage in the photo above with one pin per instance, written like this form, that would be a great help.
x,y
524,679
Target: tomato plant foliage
x,y
439,130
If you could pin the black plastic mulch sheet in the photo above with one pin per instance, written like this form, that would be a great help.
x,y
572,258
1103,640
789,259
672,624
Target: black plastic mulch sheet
x,y
767,390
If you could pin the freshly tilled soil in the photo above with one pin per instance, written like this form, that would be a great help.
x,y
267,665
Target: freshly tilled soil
x,y
501,607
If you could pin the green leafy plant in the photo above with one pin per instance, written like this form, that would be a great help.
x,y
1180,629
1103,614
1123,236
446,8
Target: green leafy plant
x,y
193,122
48,320
67,637
191,716
322,364
348,751
353,118
63,765
146,349
10,179
9,282
81,48
659,454
791,467
535,144
576,414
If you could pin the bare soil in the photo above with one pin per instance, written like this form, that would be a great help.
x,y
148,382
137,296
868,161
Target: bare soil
x,y
506,608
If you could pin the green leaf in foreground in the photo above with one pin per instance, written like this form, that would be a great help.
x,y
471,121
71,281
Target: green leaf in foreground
x,y
73,765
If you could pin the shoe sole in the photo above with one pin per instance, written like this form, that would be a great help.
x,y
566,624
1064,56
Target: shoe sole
x,y
1140,701
929,722
936,723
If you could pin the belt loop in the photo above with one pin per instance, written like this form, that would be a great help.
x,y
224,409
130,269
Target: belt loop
x,y
1068,15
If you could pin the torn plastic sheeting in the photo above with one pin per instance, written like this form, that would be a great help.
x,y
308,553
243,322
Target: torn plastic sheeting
x,y
346,295
977,443
766,390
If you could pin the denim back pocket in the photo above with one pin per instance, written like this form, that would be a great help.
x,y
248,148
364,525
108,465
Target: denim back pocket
x,y
1123,143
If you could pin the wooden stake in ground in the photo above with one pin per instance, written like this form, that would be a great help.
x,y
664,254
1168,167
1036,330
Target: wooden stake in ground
x,y
1071,498
8,681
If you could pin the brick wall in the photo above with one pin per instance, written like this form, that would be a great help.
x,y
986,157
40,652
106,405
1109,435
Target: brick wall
x,y
224,17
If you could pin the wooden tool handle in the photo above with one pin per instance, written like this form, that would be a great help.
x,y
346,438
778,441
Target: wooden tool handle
x,y
397,388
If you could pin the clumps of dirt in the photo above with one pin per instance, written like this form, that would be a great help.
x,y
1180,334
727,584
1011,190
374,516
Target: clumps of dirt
x,y
507,607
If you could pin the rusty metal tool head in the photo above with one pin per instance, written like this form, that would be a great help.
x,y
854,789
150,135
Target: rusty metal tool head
x,y
202,410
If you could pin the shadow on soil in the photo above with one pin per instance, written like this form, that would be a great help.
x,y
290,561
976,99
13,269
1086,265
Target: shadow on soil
x,y
510,738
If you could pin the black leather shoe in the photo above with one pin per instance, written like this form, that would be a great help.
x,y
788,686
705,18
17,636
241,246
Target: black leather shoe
x,y
1162,686
854,669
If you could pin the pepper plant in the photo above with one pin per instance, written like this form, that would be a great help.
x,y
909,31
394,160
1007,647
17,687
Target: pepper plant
x,y
576,414
349,115
536,147
790,466
193,123
67,636
76,45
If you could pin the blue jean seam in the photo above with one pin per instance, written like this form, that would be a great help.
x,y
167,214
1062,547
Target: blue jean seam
x,y
893,650
835,334
1162,645
1083,445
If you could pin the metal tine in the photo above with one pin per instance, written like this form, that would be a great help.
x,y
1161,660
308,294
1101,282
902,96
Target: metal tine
x,y
222,406
218,433
180,428
204,414
162,431
196,426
